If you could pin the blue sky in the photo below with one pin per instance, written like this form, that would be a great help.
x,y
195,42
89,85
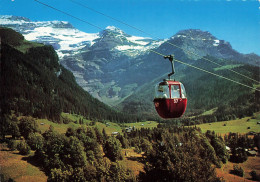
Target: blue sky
x,y
236,21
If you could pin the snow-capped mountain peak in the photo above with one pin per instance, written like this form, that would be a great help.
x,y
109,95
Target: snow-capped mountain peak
x,y
103,61
62,39
9,19
112,32
60,34
68,40
114,29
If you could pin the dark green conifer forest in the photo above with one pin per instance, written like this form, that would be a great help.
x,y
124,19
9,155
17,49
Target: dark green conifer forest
x,y
34,83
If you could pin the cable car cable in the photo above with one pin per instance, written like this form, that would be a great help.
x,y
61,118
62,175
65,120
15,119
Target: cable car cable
x,y
207,71
110,17
213,62
68,14
84,21
149,50
140,30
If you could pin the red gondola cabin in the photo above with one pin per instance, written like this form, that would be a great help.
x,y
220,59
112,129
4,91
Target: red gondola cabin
x,y
170,99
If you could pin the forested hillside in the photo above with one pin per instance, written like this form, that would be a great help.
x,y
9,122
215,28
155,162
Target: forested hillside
x,y
169,153
206,91
34,83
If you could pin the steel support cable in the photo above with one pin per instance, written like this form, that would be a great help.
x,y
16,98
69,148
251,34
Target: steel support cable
x,y
138,29
149,50
208,71
110,17
68,14
190,52
84,21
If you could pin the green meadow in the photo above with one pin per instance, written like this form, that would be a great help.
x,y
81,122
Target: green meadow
x,y
243,125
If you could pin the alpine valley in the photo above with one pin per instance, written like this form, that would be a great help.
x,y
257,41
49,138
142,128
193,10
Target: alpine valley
x,y
120,70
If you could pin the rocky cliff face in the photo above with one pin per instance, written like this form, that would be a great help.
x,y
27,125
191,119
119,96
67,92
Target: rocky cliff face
x,y
111,65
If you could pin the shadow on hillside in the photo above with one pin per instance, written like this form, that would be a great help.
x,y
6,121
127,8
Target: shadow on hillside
x,y
138,159
33,161
254,177
4,146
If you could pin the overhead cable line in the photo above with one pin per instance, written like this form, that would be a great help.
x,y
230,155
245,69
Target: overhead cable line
x,y
84,21
207,71
63,12
140,30
110,17
150,49
190,52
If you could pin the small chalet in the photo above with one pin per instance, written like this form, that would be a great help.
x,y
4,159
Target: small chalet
x,y
228,149
251,153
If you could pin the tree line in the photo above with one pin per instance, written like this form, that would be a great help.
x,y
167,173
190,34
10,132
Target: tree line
x,y
88,154
169,152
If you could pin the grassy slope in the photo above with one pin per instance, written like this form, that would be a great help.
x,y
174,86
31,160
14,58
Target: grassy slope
x,y
252,163
26,45
209,112
235,126
110,127
44,125
15,166
146,124
131,161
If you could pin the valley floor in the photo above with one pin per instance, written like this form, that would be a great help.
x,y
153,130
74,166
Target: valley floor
x,y
242,126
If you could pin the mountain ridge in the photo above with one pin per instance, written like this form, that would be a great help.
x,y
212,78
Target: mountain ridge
x,y
34,83
112,65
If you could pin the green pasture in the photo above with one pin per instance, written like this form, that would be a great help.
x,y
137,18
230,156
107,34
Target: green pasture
x,y
243,125
109,127
139,125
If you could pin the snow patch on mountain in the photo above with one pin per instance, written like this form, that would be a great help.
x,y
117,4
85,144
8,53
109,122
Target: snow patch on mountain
x,y
216,42
60,34
67,39
9,19
137,49
139,40
114,29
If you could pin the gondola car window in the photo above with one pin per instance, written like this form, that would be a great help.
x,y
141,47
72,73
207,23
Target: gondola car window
x,y
175,91
162,91
183,92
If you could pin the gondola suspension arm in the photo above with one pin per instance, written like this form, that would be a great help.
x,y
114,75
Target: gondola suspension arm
x,y
171,59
